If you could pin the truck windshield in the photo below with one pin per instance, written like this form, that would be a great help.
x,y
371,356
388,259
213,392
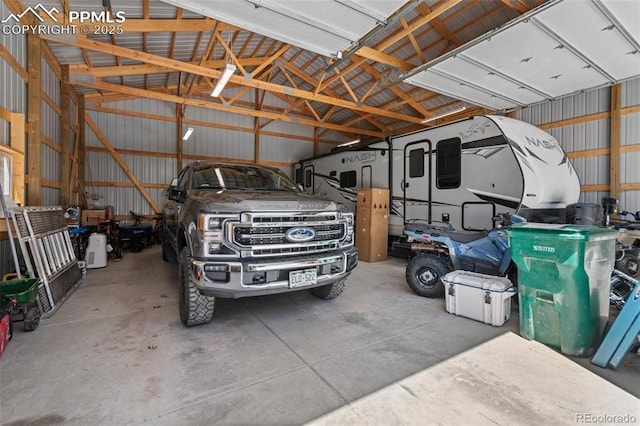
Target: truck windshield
x,y
240,177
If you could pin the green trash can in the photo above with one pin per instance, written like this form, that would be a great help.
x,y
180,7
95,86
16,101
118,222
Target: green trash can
x,y
563,283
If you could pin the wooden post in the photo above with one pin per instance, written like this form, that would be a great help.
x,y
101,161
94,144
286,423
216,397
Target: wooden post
x,y
614,157
179,153
34,101
80,161
256,130
17,144
316,141
65,135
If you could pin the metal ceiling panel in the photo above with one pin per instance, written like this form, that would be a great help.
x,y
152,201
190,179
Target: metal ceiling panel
x,y
324,27
562,47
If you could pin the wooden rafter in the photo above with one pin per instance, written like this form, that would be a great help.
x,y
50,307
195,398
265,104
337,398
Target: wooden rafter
x,y
518,5
219,107
172,45
310,81
212,73
398,35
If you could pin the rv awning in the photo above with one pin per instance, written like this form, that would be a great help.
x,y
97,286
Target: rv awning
x,y
323,27
560,48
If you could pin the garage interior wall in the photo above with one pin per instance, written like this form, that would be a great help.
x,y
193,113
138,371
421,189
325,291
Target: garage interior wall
x,y
582,125
144,132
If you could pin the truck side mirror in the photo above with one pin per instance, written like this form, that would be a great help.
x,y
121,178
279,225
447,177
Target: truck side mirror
x,y
176,192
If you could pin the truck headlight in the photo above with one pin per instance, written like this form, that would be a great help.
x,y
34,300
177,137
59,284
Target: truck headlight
x,y
348,240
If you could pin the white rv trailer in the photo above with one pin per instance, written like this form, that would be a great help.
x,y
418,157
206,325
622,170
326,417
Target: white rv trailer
x,y
462,173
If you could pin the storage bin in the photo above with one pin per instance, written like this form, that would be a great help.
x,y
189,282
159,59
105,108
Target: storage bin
x,y
564,274
481,297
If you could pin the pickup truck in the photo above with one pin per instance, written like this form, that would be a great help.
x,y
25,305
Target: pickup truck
x,y
239,230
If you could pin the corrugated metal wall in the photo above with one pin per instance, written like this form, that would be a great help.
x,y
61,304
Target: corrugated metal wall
x,y
13,90
630,135
13,96
50,126
595,134
232,139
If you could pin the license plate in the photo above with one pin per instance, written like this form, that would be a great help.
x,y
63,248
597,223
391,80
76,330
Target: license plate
x,y
303,278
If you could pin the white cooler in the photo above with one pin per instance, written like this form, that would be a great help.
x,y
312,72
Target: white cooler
x,y
481,297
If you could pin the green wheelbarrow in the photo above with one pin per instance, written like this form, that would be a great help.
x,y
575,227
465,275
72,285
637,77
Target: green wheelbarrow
x,y
23,294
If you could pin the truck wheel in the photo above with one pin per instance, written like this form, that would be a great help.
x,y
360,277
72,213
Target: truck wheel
x,y
424,273
329,291
195,309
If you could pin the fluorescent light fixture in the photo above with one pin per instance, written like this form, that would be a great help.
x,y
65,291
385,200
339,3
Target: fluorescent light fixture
x,y
446,114
350,143
219,176
228,71
187,134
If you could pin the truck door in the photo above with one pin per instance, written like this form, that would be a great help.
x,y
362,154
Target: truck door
x,y
309,178
416,182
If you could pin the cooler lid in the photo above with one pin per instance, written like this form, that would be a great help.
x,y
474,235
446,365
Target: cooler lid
x,y
477,280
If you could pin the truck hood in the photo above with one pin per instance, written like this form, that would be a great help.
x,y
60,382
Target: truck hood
x,y
231,201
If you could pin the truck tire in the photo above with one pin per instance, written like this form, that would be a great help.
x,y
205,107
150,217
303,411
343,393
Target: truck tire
x,y
329,291
195,308
424,273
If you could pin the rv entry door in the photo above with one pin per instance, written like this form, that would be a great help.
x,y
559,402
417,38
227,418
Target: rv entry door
x,y
416,182
309,178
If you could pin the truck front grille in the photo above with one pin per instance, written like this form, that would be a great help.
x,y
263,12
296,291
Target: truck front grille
x,y
266,235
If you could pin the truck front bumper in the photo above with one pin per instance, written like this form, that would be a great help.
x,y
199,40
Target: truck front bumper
x,y
233,279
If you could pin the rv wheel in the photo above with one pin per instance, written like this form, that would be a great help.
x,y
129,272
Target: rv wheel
x,y
424,273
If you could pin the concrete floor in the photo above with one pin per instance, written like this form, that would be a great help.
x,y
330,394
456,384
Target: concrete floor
x,y
116,353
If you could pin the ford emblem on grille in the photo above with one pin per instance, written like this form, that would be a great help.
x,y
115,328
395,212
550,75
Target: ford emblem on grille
x,y
300,235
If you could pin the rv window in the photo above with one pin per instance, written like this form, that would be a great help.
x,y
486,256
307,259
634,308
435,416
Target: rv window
x,y
299,176
333,173
416,163
307,178
348,179
448,163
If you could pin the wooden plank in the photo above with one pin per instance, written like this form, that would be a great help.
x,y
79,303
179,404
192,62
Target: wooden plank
x,y
383,58
52,104
131,113
13,63
34,104
235,79
80,153
189,156
588,153
143,153
594,188
128,185
630,110
614,156
5,114
50,183
630,186
576,120
18,145
51,144
179,136
121,163
630,148
65,136
220,107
